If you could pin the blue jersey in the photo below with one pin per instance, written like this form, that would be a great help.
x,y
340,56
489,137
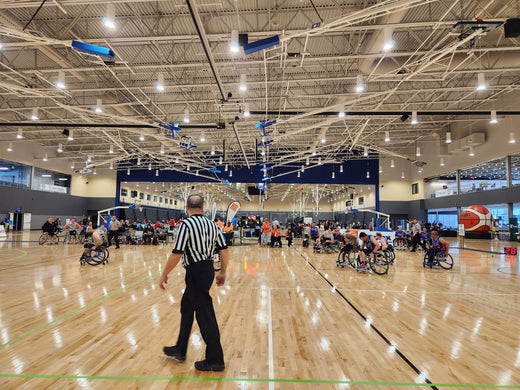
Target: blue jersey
x,y
437,244
400,234
313,231
425,236
368,243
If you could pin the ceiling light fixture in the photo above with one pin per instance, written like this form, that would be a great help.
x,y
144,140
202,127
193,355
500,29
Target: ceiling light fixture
x,y
392,164
246,110
138,160
341,169
512,138
414,118
10,147
233,43
110,19
493,119
302,169
388,40
243,84
360,86
60,83
442,162
380,169
60,148
307,161
481,82
128,172
20,133
225,167
387,136
111,149
111,166
149,166
298,173
45,159
418,151
186,116
99,106
333,175
471,152
141,138
202,138
34,114
448,137
341,112
365,152
160,82
156,172
71,136
368,174
402,175
72,166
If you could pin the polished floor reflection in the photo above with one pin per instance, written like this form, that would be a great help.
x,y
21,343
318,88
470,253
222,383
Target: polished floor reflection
x,y
289,319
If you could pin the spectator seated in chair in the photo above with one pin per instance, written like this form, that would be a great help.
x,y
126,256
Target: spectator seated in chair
x,y
228,233
276,237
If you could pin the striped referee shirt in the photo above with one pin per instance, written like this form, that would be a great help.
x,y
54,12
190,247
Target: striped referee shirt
x,y
197,240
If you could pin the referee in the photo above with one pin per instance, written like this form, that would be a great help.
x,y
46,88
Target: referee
x,y
197,240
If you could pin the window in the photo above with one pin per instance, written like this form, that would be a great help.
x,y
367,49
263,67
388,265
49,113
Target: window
x,y
50,181
155,198
415,188
160,199
361,200
14,174
124,192
148,197
141,195
133,194
171,201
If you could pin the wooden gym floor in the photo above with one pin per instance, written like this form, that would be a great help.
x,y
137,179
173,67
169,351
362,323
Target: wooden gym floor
x,y
286,323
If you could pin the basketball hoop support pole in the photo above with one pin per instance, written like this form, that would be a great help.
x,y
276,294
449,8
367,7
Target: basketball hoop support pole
x,y
110,209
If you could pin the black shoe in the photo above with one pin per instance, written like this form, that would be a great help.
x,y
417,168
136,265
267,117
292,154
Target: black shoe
x,y
203,365
174,353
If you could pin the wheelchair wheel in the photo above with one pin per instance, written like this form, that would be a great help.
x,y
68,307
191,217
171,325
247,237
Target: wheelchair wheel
x,y
43,239
342,259
444,261
379,264
95,258
390,255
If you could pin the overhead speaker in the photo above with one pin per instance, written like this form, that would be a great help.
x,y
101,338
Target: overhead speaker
x,y
243,39
512,28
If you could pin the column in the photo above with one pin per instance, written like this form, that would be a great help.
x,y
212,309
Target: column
x,y
509,175
458,181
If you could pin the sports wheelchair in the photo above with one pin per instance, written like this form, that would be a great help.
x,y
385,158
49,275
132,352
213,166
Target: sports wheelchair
x,y
437,258
379,263
97,256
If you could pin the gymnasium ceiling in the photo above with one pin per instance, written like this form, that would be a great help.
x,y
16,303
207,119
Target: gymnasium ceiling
x,y
302,83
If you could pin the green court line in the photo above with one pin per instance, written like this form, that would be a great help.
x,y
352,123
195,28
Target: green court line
x,y
16,257
318,381
77,310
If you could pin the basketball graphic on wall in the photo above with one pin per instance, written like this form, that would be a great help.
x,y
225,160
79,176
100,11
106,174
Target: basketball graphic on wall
x,y
476,219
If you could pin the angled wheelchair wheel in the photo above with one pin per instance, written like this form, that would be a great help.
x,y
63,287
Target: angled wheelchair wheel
x,y
390,255
43,239
342,259
95,258
379,264
444,261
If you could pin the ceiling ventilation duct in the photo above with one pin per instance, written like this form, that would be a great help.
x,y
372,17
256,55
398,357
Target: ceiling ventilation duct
x,y
474,139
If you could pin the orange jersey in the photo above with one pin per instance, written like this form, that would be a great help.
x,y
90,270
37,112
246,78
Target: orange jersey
x,y
276,232
219,224
228,228
265,227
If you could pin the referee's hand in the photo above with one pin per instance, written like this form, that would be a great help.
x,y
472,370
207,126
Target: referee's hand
x,y
221,279
162,281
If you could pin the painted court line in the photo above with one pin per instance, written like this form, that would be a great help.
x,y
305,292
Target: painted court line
x,y
372,326
270,331
317,381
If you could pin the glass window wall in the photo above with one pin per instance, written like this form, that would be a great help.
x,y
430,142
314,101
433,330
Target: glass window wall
x,y
50,181
447,217
14,174
487,176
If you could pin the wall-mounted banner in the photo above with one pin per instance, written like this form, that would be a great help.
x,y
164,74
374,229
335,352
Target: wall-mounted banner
x,y
232,211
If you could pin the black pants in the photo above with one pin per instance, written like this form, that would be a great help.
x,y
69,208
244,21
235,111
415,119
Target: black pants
x,y
289,241
111,234
196,300
416,240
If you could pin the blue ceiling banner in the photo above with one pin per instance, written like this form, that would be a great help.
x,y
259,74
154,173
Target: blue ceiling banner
x,y
354,172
